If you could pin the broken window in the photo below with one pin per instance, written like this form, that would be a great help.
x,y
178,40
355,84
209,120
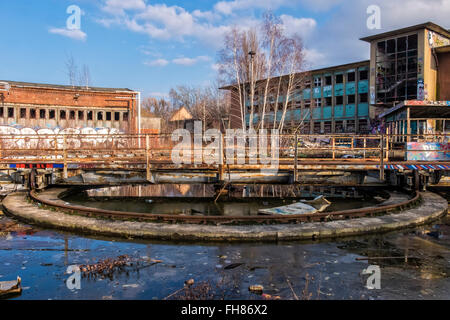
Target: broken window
x,y
125,116
328,101
42,113
351,99
62,114
108,116
117,116
89,115
99,115
363,75
363,98
51,114
1,112
339,100
10,112
339,78
351,76
23,113
328,80
307,103
72,115
80,115
32,113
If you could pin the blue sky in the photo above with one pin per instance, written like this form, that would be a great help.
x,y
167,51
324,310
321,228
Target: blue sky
x,y
152,46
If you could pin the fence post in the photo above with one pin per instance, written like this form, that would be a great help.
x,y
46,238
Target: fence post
x,y
65,157
221,166
382,158
147,155
296,159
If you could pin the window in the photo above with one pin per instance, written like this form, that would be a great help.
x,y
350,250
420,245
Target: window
x,y
23,113
318,103
339,127
351,99
72,115
351,76
80,115
99,115
108,116
307,103
339,100
317,82
62,115
125,116
328,101
363,75
363,98
339,78
328,80
89,115
10,112
1,112
117,116
51,114
396,64
42,113
32,113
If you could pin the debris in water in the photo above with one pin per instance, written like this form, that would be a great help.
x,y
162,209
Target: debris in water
x,y
256,289
320,203
10,288
232,266
270,297
189,282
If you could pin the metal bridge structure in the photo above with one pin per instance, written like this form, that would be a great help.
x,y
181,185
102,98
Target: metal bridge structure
x,y
415,160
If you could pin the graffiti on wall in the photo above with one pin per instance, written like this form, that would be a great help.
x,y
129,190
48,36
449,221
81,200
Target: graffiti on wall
x,y
435,40
428,151
28,138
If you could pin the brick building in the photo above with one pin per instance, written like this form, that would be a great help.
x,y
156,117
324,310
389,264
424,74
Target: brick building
x,y
46,106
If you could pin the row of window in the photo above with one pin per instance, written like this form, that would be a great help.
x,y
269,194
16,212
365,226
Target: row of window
x,y
326,80
327,102
31,113
339,78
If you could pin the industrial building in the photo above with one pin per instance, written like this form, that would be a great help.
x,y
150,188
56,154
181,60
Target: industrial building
x,y
47,108
408,64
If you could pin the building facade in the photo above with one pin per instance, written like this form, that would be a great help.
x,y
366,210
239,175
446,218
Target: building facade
x,y
53,108
412,63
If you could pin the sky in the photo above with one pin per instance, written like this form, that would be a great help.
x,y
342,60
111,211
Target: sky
x,y
153,46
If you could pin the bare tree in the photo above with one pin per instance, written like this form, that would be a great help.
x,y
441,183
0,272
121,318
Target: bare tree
x,y
278,59
71,70
85,77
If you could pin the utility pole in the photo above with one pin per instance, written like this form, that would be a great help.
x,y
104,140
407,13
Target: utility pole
x,y
252,89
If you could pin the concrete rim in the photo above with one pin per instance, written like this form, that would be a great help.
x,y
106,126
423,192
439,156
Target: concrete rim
x,y
431,208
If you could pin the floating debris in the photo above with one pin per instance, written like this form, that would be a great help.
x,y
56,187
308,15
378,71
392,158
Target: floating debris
x,y
232,266
320,203
10,288
256,289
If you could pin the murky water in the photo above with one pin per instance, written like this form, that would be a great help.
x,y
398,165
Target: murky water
x,y
414,264
193,199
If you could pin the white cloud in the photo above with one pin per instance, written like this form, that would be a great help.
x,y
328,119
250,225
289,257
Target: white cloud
x,y
190,61
157,63
300,26
229,7
119,6
75,34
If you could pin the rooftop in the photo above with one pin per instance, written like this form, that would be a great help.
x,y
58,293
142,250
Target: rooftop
x,y
63,87
427,25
